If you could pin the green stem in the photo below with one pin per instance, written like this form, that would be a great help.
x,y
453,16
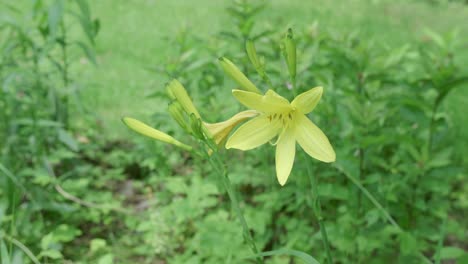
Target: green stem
x,y
218,165
317,209
440,244
431,126
323,232
377,205
21,246
65,77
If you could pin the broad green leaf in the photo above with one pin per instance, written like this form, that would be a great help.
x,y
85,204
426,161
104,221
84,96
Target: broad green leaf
x,y
106,259
451,252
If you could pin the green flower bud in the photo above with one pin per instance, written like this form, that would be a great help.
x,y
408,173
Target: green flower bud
x,y
290,54
176,90
237,75
177,113
148,131
252,54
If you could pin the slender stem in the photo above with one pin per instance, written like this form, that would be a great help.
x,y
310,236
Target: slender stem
x,y
65,77
440,244
21,246
377,205
431,126
317,209
218,165
323,232
361,176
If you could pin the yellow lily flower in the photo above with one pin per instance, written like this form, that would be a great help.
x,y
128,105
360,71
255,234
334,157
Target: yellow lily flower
x,y
288,121
217,131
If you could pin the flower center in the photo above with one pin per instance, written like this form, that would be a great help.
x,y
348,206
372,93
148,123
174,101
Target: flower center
x,y
285,118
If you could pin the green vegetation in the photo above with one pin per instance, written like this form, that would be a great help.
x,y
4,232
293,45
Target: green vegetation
x,y
77,186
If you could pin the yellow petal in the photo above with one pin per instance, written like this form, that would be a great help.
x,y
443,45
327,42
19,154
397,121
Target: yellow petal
x,y
254,133
313,140
285,152
271,102
219,131
306,101
178,91
233,72
148,131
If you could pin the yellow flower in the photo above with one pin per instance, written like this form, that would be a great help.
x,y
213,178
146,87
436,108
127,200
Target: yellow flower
x,y
217,131
279,117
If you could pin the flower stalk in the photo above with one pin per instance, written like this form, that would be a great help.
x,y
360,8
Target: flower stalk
x,y
317,209
218,165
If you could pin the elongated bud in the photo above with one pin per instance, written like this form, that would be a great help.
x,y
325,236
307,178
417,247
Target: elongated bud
x,y
176,90
253,57
290,54
177,113
170,93
148,131
234,72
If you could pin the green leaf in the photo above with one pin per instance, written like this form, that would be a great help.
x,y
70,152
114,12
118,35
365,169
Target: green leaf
x,y
89,52
295,253
51,253
84,7
451,253
97,244
55,16
408,244
68,140
4,256
106,259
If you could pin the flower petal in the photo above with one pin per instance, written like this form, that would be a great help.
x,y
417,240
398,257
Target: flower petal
x,y
285,152
271,102
219,131
306,101
313,140
254,133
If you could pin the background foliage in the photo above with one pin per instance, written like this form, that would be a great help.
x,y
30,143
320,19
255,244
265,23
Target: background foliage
x,y
77,187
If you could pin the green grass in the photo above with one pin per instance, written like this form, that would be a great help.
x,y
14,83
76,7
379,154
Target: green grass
x,y
134,35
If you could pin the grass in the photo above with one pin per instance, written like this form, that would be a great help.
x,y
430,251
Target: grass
x,y
134,36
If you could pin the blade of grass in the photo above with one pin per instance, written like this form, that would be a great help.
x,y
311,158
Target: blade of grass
x,y
12,177
290,252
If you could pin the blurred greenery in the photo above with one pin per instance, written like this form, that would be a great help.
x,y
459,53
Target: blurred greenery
x,y
77,187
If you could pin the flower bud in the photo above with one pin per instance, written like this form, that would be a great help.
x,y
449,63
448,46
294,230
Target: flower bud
x,y
290,54
237,75
177,113
252,54
148,131
176,90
